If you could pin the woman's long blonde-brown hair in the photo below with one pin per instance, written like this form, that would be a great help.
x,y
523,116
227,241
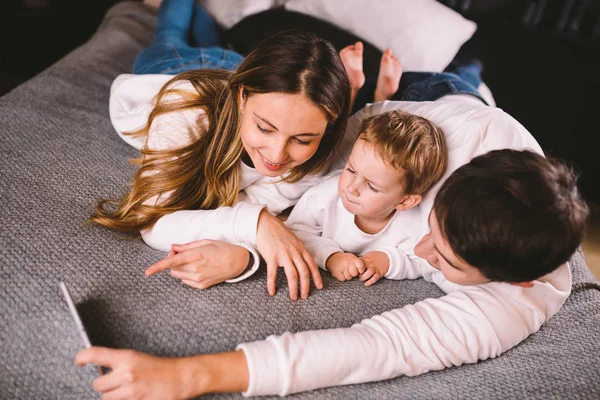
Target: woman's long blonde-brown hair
x,y
205,174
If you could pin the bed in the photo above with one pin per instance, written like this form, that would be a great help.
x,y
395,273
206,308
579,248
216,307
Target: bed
x,y
60,153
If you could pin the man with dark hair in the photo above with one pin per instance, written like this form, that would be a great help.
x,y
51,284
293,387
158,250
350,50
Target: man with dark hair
x,y
506,216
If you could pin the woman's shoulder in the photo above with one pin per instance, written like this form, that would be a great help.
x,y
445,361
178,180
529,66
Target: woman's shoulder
x,y
133,94
145,82
133,97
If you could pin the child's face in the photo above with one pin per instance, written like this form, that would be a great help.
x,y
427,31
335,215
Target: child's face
x,y
437,252
369,187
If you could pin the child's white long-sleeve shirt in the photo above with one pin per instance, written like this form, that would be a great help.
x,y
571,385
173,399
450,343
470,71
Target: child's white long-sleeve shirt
x,y
325,227
132,99
468,324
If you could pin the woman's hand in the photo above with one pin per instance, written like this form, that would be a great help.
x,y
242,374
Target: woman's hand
x,y
280,247
203,263
137,375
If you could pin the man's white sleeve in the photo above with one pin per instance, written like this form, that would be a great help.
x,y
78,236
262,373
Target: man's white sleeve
x,y
342,152
477,323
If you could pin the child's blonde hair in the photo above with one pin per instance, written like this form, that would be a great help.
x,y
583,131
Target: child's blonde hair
x,y
409,142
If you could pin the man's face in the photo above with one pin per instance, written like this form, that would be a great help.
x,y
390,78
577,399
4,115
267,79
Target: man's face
x,y
437,252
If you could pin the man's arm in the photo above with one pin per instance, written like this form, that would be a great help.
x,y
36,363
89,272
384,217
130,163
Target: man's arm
x,y
465,326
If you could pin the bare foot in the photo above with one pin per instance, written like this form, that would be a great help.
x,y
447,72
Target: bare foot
x,y
153,3
388,80
352,58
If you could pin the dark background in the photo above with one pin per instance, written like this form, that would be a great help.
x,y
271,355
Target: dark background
x,y
540,61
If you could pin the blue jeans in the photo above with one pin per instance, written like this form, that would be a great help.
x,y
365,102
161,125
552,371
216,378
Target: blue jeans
x,y
186,38
427,86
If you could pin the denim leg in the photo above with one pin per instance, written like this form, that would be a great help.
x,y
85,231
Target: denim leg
x,y
170,40
469,73
204,29
174,21
171,52
414,80
426,86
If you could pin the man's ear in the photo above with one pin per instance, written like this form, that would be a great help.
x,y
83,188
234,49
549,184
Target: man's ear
x,y
242,98
522,284
409,201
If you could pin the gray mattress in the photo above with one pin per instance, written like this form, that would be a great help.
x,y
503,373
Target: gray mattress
x,y
59,153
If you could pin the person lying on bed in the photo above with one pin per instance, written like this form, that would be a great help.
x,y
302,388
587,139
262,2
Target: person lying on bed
x,y
223,150
502,229
476,320
263,134
396,158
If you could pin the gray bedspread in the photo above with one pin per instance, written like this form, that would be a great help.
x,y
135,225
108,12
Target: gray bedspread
x,y
59,153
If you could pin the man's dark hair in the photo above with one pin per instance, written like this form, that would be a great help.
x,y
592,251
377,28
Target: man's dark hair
x,y
514,215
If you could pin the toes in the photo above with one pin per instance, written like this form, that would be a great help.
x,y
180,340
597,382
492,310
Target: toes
x,y
347,49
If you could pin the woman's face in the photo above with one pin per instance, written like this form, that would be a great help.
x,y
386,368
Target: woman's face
x,y
280,131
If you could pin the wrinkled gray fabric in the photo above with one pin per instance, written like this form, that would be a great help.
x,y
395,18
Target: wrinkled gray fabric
x,y
59,153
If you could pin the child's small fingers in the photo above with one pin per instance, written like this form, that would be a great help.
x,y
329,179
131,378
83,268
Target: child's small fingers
x,y
367,274
360,266
373,280
339,276
347,275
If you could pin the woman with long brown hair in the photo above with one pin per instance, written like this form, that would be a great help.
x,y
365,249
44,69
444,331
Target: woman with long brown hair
x,y
224,151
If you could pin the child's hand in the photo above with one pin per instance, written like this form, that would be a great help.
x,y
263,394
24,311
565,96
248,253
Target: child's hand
x,y
377,264
345,266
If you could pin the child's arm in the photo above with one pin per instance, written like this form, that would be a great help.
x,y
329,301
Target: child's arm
x,y
392,262
308,218
465,326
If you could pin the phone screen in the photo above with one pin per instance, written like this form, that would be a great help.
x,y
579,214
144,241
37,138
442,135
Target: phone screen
x,y
77,319
75,315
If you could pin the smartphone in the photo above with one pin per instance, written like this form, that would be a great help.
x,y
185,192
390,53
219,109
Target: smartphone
x,y
77,319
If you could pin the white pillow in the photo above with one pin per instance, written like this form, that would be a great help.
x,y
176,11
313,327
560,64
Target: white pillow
x,y
424,34
227,13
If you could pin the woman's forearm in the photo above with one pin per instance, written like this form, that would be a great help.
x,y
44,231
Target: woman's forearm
x,y
235,224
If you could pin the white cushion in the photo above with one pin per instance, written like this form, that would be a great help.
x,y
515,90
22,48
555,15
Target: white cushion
x,y
229,12
424,34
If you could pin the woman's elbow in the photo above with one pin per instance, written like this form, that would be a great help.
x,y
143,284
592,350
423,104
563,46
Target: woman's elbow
x,y
155,240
